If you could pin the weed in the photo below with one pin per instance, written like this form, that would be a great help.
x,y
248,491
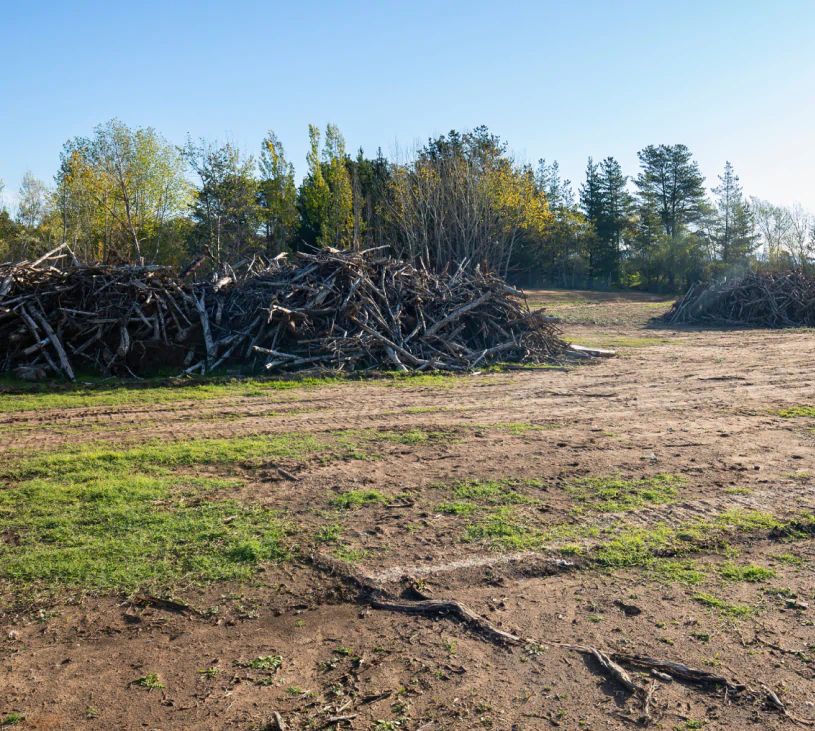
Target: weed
x,y
210,672
267,662
151,681
731,610
701,636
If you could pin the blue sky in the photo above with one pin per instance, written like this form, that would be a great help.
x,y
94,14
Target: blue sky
x,y
562,80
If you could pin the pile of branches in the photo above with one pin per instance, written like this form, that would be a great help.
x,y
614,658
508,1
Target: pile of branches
x,y
757,299
346,310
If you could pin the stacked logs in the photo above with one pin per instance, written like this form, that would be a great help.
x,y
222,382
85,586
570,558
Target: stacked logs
x,y
346,310
757,299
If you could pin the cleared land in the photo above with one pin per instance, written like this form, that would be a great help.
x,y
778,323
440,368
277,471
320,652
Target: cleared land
x,y
659,503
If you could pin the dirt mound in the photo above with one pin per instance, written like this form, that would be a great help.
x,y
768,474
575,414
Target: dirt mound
x,y
348,310
758,299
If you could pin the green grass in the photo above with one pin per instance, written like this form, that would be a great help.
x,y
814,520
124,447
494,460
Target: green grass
x,y
614,495
797,411
458,507
518,427
678,571
85,397
723,607
104,519
751,573
358,498
412,437
505,529
495,492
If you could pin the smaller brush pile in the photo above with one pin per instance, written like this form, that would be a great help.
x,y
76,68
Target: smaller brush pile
x,y
345,310
758,299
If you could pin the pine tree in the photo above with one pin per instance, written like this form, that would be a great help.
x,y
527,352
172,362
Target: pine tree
x,y
733,228
671,184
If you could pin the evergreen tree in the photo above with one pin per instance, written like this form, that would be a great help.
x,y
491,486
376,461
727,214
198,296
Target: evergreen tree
x,y
733,226
671,184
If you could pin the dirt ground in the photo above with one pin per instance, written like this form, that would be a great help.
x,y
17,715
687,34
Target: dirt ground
x,y
651,504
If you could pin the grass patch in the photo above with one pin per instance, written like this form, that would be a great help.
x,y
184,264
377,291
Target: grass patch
x,y
358,498
613,495
457,508
495,492
723,607
84,397
105,519
793,412
750,573
505,529
682,571
518,427
412,437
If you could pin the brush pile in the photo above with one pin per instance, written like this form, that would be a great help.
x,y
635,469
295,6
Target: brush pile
x,y
758,299
346,310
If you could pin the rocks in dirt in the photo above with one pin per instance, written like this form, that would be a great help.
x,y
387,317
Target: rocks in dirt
x,y
347,310
759,299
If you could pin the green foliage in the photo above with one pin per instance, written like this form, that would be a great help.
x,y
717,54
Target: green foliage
x,y
119,194
277,195
151,681
267,662
224,209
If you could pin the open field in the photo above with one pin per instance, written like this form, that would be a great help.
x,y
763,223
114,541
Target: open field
x,y
659,503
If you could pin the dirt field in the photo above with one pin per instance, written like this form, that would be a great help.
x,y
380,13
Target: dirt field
x,y
659,504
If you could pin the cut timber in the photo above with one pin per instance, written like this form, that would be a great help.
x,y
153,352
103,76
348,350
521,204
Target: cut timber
x,y
592,352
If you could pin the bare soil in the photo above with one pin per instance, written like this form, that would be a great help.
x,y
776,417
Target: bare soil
x,y
701,405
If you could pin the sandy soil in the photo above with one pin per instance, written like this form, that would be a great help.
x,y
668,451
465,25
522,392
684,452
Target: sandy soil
x,y
702,405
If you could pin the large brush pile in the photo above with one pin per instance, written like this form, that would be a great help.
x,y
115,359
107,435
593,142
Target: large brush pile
x,y
758,299
345,310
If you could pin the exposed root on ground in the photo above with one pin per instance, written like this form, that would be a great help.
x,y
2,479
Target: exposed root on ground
x,y
372,592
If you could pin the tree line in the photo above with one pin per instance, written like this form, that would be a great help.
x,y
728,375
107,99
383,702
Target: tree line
x,y
129,195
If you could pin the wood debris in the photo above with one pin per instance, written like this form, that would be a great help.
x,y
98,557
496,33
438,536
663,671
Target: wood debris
x,y
345,310
758,299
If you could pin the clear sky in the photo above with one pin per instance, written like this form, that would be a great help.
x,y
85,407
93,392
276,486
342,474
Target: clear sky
x,y
732,79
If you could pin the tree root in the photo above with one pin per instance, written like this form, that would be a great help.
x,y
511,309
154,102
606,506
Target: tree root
x,y
373,593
